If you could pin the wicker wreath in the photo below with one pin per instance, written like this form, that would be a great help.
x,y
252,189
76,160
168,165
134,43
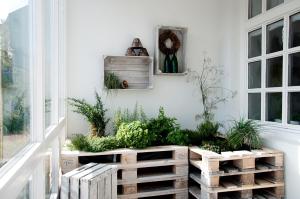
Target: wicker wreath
x,y
168,34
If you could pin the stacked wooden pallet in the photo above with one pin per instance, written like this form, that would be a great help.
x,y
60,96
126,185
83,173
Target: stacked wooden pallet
x,y
239,174
151,172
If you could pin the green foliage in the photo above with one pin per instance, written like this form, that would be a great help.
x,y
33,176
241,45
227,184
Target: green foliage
x,y
126,116
208,130
79,142
95,114
135,135
99,144
94,144
111,81
244,135
218,145
162,126
178,137
16,120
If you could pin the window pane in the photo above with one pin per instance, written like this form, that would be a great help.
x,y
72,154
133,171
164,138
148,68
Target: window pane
x,y
254,106
274,107
254,75
294,69
294,108
15,78
273,3
254,43
255,7
295,30
25,193
274,72
274,37
48,63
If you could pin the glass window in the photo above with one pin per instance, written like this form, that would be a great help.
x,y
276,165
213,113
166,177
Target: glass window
x,y
254,43
274,72
294,30
255,8
254,75
25,193
273,3
294,108
274,37
254,106
48,63
294,69
274,107
15,78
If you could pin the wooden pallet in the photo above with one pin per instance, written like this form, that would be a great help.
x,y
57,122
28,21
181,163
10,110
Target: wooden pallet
x,y
151,172
239,174
91,181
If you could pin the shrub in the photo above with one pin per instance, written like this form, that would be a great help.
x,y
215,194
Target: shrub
x,y
79,142
244,135
94,144
208,130
178,137
218,145
95,114
135,135
99,144
126,116
162,126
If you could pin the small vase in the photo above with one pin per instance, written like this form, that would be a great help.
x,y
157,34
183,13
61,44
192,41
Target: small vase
x,y
174,62
167,65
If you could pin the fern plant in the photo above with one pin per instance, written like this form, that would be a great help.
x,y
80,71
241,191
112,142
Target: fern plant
x,y
244,135
94,114
111,81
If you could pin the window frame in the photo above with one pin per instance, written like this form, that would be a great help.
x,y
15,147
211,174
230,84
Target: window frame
x,y
30,161
283,11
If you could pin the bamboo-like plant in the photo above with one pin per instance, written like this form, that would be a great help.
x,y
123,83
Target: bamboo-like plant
x,y
94,114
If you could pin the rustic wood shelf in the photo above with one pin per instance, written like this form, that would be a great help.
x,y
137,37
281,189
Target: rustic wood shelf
x,y
136,70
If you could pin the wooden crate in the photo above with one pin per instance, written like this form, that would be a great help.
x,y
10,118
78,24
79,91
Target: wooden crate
x,y
136,70
151,172
238,174
91,181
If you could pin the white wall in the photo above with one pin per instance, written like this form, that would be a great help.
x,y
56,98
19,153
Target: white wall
x,y
107,27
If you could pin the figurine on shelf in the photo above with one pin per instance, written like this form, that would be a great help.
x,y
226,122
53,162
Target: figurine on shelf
x,y
137,49
124,84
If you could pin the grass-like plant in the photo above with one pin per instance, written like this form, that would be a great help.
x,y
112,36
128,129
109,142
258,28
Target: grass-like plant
x,y
208,130
127,116
111,81
244,135
94,114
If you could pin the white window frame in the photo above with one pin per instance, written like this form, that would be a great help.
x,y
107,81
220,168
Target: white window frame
x,y
30,162
283,11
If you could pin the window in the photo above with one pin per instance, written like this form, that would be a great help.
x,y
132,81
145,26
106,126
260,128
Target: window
x,y
15,92
255,7
29,63
274,70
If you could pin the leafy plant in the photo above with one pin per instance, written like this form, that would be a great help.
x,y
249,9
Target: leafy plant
x,y
94,114
178,137
244,135
94,144
135,135
207,80
208,130
218,145
16,120
111,81
126,116
162,126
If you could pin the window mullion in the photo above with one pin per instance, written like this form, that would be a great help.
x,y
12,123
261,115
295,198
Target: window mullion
x,y
38,65
263,78
285,70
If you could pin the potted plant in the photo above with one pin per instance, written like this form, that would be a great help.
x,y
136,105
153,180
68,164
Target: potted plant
x,y
94,114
